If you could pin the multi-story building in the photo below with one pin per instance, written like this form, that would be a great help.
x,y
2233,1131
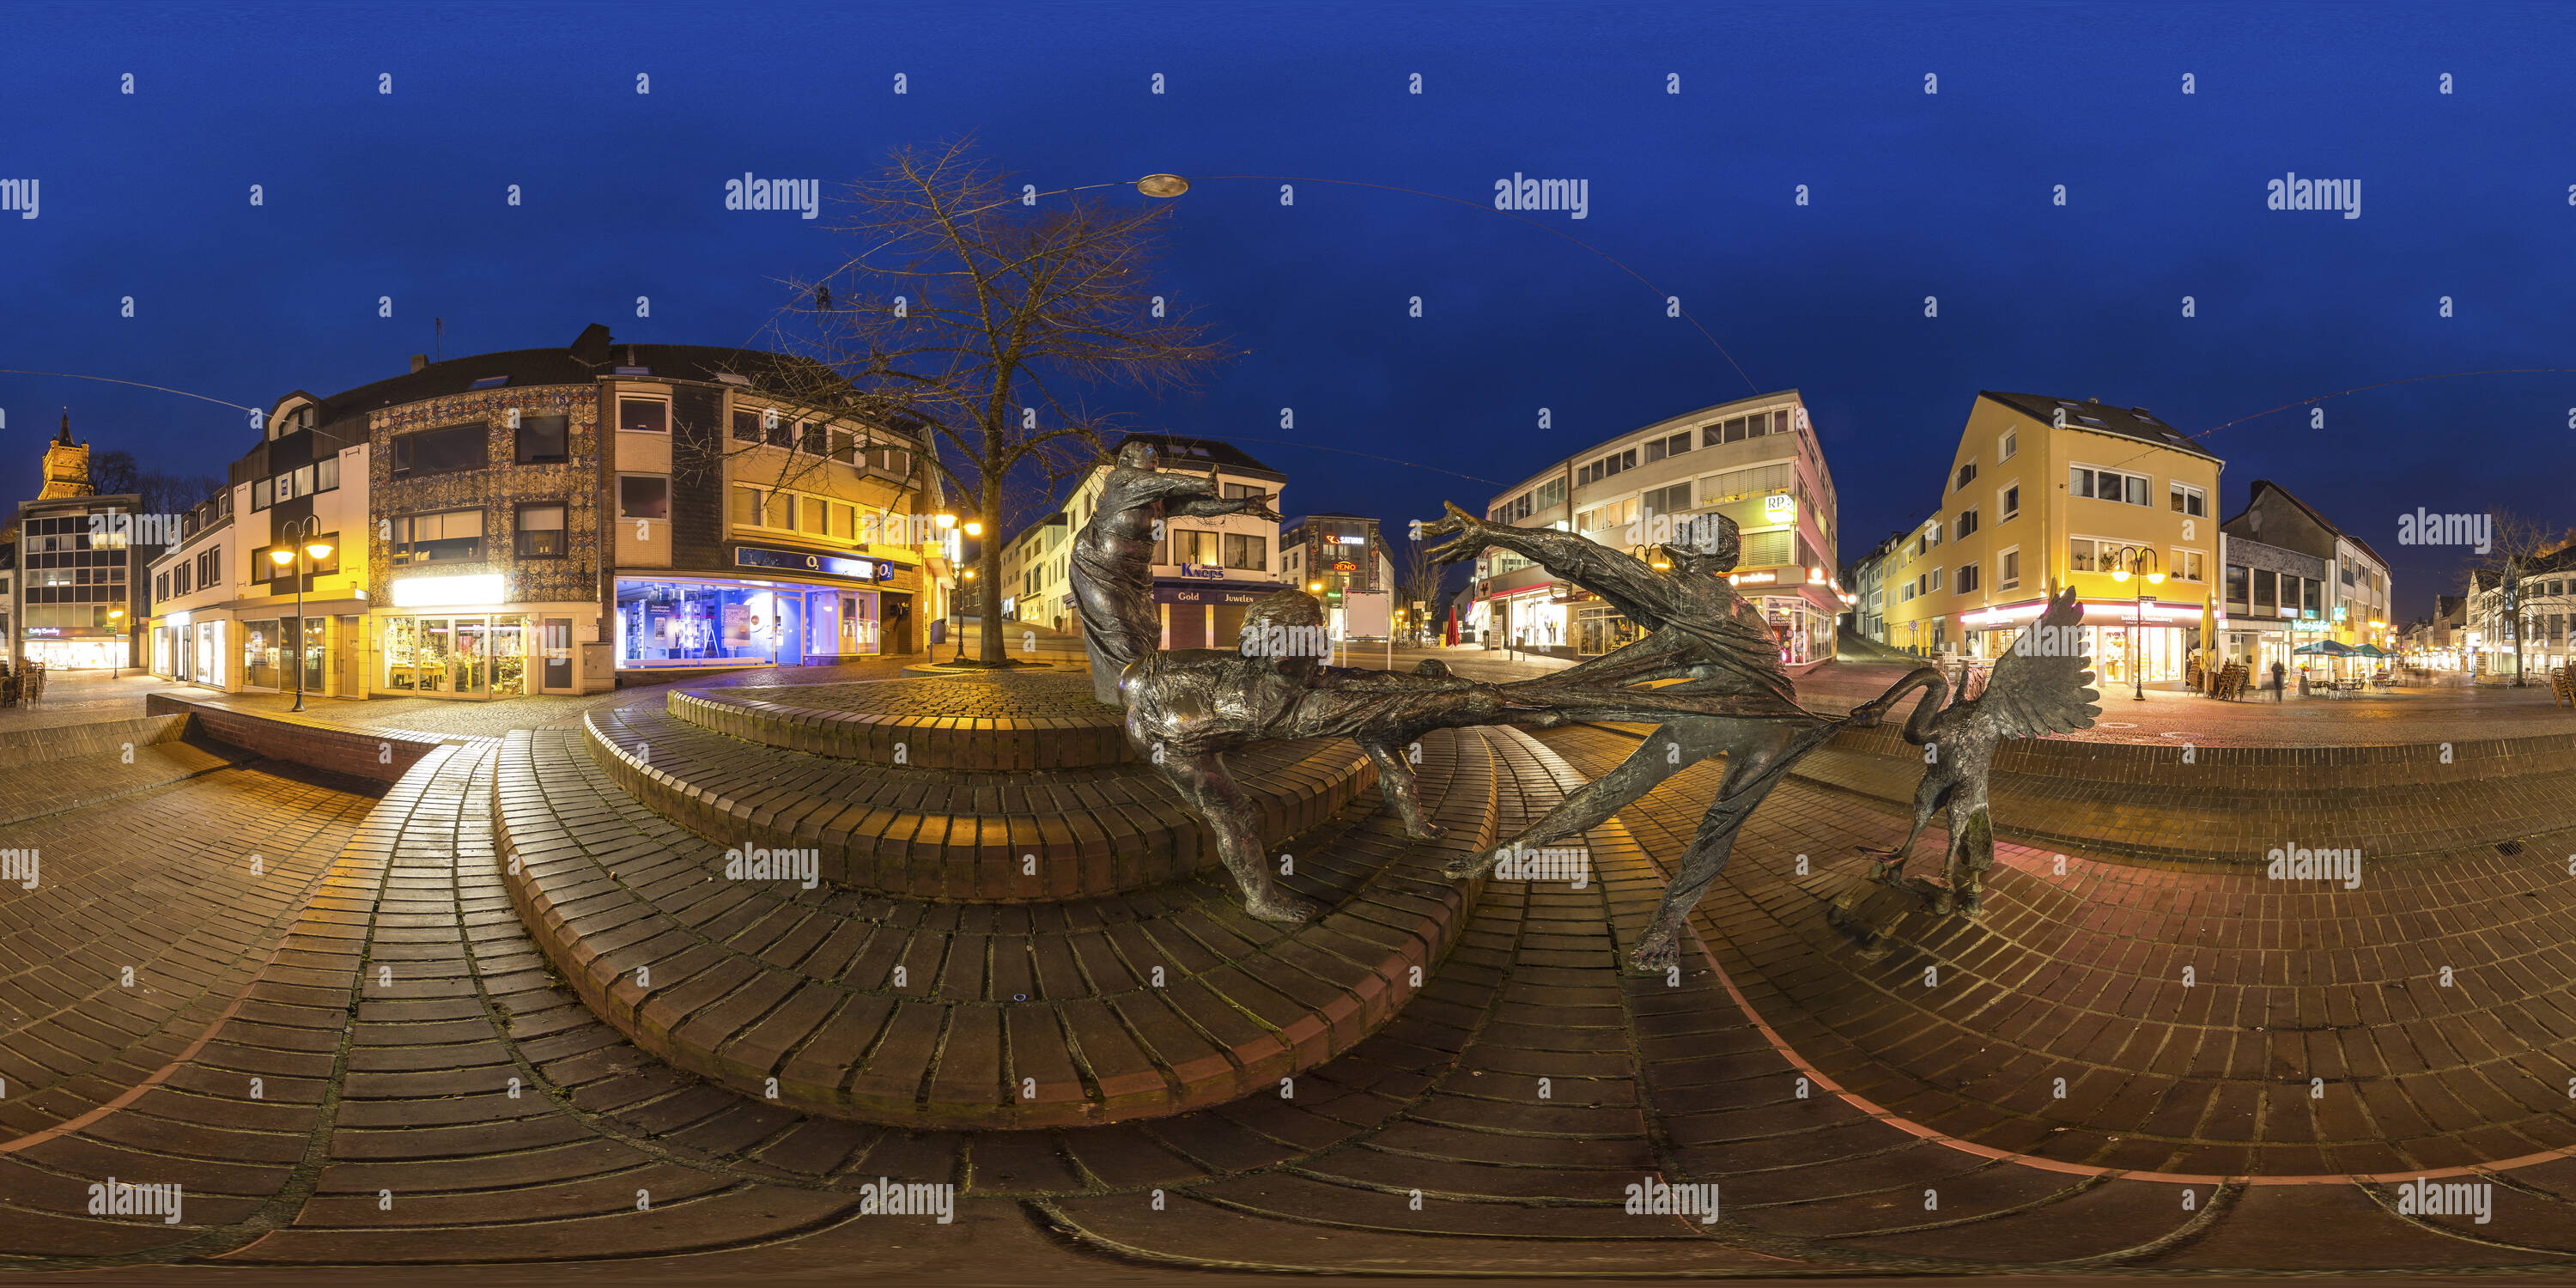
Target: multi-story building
x,y
1342,560
1866,583
551,520
2350,608
1754,460
2044,493
2439,640
2275,600
2541,623
1206,570
76,599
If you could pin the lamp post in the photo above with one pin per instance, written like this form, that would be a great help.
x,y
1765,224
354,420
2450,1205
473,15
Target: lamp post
x,y
116,661
2127,556
295,555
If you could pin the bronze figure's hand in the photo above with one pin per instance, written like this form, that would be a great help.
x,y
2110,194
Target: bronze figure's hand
x,y
1469,543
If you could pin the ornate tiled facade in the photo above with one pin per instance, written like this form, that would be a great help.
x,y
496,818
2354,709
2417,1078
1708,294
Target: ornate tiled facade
x,y
498,489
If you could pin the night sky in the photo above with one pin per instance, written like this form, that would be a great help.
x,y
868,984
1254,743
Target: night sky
x,y
2465,195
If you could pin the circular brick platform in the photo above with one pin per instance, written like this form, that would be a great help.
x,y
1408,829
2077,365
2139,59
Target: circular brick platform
x,y
908,1012
952,835
999,720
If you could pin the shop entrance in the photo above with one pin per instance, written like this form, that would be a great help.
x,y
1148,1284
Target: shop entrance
x,y
461,657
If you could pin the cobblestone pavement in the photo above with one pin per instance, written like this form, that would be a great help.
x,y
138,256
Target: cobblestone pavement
x,y
356,1057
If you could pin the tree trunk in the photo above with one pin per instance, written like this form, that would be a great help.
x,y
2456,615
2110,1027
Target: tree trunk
x,y
988,582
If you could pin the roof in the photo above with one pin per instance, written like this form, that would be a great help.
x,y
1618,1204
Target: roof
x,y
2311,512
2132,422
1181,449
592,355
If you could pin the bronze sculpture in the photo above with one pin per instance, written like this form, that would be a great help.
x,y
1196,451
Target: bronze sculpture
x,y
1112,558
1729,696
2039,686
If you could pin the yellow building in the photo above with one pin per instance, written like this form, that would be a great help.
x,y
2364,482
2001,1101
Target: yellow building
x,y
2047,492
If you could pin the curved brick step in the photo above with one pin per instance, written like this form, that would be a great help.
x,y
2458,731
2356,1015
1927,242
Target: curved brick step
x,y
1001,1016
2234,804
1010,721
956,836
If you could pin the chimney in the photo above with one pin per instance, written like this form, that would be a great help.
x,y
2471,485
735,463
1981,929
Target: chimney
x,y
419,360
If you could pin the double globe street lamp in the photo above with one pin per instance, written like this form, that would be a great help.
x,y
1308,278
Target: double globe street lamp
x,y
2128,556
301,557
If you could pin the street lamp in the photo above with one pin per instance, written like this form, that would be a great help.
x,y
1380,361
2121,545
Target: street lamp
x,y
115,660
295,555
2127,555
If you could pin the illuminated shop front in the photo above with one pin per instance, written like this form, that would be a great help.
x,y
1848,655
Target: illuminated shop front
x,y
1533,617
68,648
839,608
2122,638
456,637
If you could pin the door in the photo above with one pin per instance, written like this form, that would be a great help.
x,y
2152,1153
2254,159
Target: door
x,y
348,659
898,623
436,670
470,664
509,657
555,637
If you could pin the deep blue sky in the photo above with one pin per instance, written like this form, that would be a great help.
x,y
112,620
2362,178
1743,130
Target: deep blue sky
x,y
1949,195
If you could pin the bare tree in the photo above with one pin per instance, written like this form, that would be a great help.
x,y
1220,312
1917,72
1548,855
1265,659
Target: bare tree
x,y
982,316
1421,584
2520,547
159,493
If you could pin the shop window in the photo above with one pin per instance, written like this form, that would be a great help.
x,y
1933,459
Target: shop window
x,y
643,496
541,531
441,451
443,537
644,415
544,438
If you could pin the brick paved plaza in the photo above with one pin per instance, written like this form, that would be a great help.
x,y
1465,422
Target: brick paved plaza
x,y
500,1004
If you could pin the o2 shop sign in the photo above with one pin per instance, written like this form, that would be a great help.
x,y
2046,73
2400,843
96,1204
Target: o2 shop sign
x,y
799,561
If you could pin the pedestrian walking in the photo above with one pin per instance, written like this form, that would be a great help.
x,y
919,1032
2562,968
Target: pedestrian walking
x,y
2279,674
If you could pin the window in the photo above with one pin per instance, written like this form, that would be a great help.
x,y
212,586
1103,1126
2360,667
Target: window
x,y
778,510
643,496
2108,485
2236,584
2008,444
844,520
845,447
2008,569
435,538
1967,525
1967,475
1247,551
304,480
815,518
2079,555
746,427
778,431
1668,500
1659,448
2315,597
2008,504
644,415
1233,491
442,451
326,474
2186,499
161,587
543,438
746,506
1190,546
2187,566
541,531
1966,581
1765,549
2265,589
261,492
489,382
